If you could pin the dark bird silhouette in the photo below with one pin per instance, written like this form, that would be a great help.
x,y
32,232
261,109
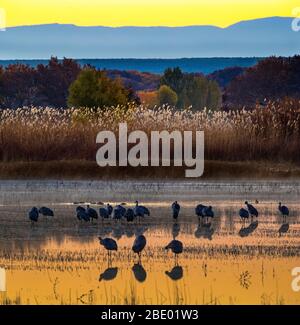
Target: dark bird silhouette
x,y
176,273
46,212
246,231
140,210
139,272
175,210
129,215
244,214
109,244
205,231
109,209
175,230
119,212
105,213
92,213
208,213
199,210
139,244
33,215
284,210
82,214
109,274
176,247
252,210
284,228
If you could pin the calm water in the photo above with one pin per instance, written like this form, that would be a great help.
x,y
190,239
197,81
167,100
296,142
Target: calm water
x,y
59,260
204,65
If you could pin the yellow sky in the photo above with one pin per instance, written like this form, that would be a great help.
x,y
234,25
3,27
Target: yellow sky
x,y
142,12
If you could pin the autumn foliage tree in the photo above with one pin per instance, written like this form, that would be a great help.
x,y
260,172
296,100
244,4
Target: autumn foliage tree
x,y
272,79
94,89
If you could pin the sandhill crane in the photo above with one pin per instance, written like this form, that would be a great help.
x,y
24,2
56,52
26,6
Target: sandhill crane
x,y
175,210
176,247
82,214
252,210
140,210
33,215
119,212
106,212
129,215
244,214
46,212
139,244
109,244
208,213
284,211
92,213
199,211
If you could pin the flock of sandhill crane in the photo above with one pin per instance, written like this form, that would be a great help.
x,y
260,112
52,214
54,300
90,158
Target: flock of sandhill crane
x,y
203,212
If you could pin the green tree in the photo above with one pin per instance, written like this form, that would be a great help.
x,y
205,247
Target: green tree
x,y
192,90
166,96
93,88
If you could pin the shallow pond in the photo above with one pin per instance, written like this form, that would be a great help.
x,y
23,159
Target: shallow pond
x,y
59,260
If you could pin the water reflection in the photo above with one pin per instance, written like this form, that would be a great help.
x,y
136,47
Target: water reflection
x,y
109,274
139,272
284,228
175,230
204,230
176,273
246,231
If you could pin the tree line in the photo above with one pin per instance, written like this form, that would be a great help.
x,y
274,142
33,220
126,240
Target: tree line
x,y
63,83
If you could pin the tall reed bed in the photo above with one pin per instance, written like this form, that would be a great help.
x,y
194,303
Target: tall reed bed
x,y
270,132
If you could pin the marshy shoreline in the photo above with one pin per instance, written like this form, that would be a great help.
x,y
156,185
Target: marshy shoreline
x,y
50,191
89,170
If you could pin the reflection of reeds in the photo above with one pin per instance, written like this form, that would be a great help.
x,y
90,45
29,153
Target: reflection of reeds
x,y
40,134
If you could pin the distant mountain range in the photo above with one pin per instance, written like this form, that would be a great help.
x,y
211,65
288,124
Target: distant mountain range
x,y
254,38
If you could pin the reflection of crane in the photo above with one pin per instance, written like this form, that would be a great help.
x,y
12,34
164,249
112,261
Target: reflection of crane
x,y
139,272
284,228
176,247
246,231
205,231
110,245
109,274
33,215
176,273
175,210
175,230
139,244
284,211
